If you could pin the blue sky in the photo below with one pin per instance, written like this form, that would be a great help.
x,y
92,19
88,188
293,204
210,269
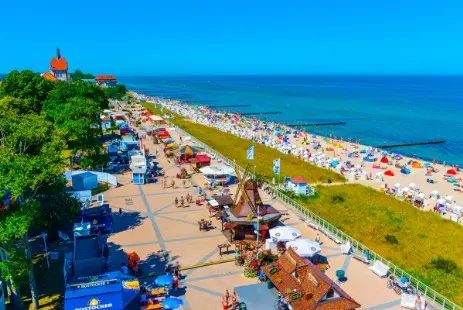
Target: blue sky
x,y
156,37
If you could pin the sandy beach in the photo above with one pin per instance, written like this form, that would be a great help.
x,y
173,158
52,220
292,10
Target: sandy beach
x,y
428,186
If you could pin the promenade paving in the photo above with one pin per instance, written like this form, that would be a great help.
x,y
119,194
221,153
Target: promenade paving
x,y
151,225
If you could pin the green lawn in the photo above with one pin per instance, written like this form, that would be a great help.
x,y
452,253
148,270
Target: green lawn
x,y
422,243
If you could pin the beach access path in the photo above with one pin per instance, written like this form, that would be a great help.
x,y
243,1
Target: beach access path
x,y
151,225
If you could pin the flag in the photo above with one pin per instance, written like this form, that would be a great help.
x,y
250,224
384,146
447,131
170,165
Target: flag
x,y
276,166
250,154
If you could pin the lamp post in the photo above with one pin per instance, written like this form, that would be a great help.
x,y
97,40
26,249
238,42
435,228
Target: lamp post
x,y
44,236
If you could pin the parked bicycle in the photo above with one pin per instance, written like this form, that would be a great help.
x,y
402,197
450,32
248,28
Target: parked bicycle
x,y
400,286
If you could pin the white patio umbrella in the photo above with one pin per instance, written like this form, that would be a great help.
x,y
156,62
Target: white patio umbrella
x,y
405,190
284,233
304,247
412,185
397,185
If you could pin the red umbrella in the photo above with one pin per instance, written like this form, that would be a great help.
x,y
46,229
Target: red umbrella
x,y
452,172
389,173
384,160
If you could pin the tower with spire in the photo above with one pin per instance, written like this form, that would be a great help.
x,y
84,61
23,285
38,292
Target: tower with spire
x,y
58,68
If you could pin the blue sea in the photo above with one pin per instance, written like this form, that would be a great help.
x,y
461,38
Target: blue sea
x,y
377,110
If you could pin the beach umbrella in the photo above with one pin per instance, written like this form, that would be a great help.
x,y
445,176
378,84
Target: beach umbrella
x,y
412,185
304,247
334,163
452,172
389,173
384,160
164,280
397,185
188,150
172,303
284,233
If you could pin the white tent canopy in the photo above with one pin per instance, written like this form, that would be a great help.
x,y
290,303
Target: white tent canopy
x,y
304,247
217,170
284,233
156,118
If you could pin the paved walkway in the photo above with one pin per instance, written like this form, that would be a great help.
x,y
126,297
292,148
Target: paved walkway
x,y
159,232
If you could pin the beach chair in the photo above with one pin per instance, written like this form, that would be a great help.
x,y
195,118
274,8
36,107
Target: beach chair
x,y
346,248
380,268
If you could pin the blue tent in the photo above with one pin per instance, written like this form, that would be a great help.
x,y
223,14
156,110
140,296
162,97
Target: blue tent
x,y
405,170
370,159
334,163
111,291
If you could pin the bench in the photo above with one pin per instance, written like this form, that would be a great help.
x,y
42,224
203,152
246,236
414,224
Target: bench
x,y
380,269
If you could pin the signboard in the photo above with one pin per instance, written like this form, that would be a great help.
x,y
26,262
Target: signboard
x,y
92,284
100,198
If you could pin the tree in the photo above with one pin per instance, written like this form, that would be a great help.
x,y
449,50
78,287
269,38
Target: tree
x,y
65,91
30,159
79,75
116,92
28,86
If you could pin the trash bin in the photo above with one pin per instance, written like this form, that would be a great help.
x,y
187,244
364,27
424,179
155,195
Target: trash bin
x,y
269,284
340,274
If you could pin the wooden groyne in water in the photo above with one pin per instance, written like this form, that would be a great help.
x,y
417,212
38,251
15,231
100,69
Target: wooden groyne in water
x,y
315,124
410,144
230,106
260,113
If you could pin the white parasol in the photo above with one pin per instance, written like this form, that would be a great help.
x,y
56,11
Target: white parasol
x,y
304,247
284,233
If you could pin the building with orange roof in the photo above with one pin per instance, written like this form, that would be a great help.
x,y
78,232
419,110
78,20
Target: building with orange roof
x,y
58,68
49,76
305,286
106,80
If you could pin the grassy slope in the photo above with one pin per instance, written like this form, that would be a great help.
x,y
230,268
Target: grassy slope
x,y
362,212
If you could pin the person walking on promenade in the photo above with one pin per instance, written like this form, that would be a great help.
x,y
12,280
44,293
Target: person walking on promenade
x,y
182,201
172,183
120,212
176,201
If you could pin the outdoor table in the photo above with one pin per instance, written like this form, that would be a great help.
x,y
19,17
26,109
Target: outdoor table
x,y
203,225
222,246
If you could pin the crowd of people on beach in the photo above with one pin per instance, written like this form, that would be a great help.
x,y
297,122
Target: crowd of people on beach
x,y
356,162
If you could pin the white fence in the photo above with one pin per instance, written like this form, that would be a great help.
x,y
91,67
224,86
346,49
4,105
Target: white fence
x,y
102,176
437,300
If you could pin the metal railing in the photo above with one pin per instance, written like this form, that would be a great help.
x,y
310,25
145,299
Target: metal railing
x,y
432,297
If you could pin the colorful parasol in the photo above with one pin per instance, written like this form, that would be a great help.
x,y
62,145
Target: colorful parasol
x,y
187,150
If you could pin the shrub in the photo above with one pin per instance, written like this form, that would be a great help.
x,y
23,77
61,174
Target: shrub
x,y
338,198
391,239
444,264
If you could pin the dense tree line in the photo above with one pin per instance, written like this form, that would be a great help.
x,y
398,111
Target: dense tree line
x,y
79,75
40,120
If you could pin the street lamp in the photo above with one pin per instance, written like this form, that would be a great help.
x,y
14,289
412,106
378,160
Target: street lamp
x,y
44,237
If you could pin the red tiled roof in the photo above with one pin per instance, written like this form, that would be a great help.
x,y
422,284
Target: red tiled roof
x,y
58,64
105,78
49,76
298,180
308,283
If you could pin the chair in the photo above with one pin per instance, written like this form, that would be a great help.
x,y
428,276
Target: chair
x,y
346,248
380,268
